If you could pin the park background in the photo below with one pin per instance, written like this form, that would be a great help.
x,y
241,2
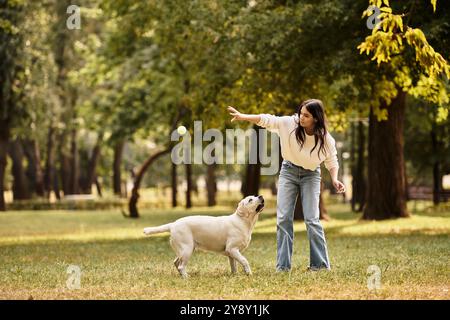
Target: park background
x,y
91,92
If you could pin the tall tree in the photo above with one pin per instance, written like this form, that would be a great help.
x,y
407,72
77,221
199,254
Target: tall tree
x,y
20,183
408,64
117,180
34,169
11,46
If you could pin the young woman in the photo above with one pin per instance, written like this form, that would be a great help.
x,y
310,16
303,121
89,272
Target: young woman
x,y
305,144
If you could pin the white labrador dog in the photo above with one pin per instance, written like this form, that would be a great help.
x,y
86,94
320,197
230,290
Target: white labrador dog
x,y
228,235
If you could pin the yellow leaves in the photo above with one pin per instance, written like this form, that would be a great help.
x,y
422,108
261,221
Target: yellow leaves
x,y
409,36
149,33
399,39
421,35
382,45
377,3
442,65
384,90
386,45
442,114
385,24
337,121
364,47
382,114
389,41
399,22
386,38
7,27
390,22
380,56
433,3
431,89
403,78
431,61
366,13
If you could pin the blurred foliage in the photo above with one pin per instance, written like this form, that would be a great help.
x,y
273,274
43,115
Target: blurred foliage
x,y
134,65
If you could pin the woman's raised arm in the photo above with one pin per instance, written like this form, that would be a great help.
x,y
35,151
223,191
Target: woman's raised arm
x,y
254,118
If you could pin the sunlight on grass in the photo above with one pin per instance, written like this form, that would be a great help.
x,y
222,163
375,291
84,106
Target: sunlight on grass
x,y
117,261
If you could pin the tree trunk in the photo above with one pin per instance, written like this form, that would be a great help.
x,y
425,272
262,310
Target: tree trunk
x,y
188,167
117,182
64,163
132,204
34,171
273,188
4,138
11,47
20,183
65,170
386,194
353,164
74,164
211,185
30,171
252,178
50,169
61,44
56,187
92,165
436,183
99,187
194,187
174,185
437,180
358,176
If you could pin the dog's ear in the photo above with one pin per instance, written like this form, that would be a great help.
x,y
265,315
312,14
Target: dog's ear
x,y
242,210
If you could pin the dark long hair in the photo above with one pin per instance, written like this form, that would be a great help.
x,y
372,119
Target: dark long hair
x,y
315,107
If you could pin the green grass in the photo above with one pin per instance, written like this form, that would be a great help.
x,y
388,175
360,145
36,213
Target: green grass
x,y
117,262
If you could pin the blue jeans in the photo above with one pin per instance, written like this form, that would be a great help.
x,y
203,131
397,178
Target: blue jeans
x,y
293,179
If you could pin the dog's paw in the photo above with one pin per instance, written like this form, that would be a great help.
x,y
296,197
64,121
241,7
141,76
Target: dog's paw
x,y
146,231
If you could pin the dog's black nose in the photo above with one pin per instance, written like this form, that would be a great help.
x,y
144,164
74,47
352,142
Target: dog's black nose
x,y
261,197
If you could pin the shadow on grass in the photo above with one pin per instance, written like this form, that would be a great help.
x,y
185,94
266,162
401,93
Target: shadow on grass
x,y
163,241
153,256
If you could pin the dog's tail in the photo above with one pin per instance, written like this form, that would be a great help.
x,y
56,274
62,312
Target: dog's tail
x,y
160,229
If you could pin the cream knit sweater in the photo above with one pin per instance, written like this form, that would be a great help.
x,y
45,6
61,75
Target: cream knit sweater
x,y
290,149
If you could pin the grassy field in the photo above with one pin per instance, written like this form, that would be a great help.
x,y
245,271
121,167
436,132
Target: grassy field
x,y
117,262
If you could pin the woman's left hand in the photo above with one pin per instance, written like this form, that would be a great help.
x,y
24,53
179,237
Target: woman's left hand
x,y
339,186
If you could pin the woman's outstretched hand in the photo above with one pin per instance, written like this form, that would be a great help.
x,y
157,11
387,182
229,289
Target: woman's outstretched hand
x,y
236,114
339,186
